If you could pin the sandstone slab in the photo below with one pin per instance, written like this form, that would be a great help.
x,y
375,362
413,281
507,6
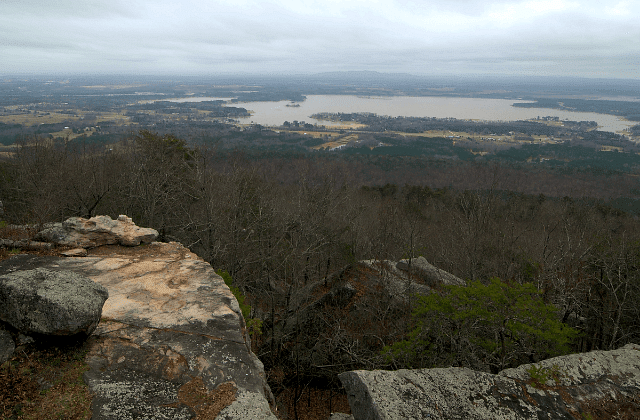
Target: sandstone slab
x,y
51,302
75,252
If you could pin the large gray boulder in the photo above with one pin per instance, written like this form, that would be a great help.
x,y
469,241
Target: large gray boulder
x,y
97,231
51,302
575,384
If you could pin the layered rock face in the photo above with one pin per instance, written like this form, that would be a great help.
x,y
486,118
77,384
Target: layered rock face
x,y
567,387
171,344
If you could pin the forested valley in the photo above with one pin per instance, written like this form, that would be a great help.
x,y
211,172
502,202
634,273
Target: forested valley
x,y
281,226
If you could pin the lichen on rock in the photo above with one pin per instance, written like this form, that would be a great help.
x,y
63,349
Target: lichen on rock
x,y
50,302
575,382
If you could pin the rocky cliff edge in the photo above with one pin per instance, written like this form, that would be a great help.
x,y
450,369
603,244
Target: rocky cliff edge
x,y
172,342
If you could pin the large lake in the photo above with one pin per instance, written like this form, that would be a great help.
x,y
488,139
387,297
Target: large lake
x,y
275,113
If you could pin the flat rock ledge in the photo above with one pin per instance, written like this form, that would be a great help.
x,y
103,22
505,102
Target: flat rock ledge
x,y
575,384
172,342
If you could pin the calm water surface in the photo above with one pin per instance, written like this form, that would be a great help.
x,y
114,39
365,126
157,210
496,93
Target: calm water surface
x,y
275,113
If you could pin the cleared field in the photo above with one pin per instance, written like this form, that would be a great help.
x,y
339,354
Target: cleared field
x,y
70,135
113,86
481,138
339,142
611,149
37,118
436,133
116,117
318,134
345,125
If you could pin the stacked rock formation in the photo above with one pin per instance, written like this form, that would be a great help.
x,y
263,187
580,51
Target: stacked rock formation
x,y
97,231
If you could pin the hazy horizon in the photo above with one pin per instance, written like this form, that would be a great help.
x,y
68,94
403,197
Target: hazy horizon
x,y
583,38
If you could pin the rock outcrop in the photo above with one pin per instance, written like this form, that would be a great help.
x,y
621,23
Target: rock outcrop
x,y
344,320
429,274
393,281
97,231
568,387
172,342
366,286
51,302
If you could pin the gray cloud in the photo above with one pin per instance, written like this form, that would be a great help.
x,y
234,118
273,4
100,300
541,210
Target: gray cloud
x,y
582,37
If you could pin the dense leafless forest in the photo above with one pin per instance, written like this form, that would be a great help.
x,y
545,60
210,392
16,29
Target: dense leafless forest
x,y
283,225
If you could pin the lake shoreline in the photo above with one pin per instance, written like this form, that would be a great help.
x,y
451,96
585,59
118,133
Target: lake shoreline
x,y
479,109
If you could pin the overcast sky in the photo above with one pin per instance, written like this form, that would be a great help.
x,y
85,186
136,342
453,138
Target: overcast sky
x,y
585,38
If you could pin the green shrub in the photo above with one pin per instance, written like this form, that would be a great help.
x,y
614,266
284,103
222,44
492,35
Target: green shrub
x,y
540,375
254,325
228,280
486,327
